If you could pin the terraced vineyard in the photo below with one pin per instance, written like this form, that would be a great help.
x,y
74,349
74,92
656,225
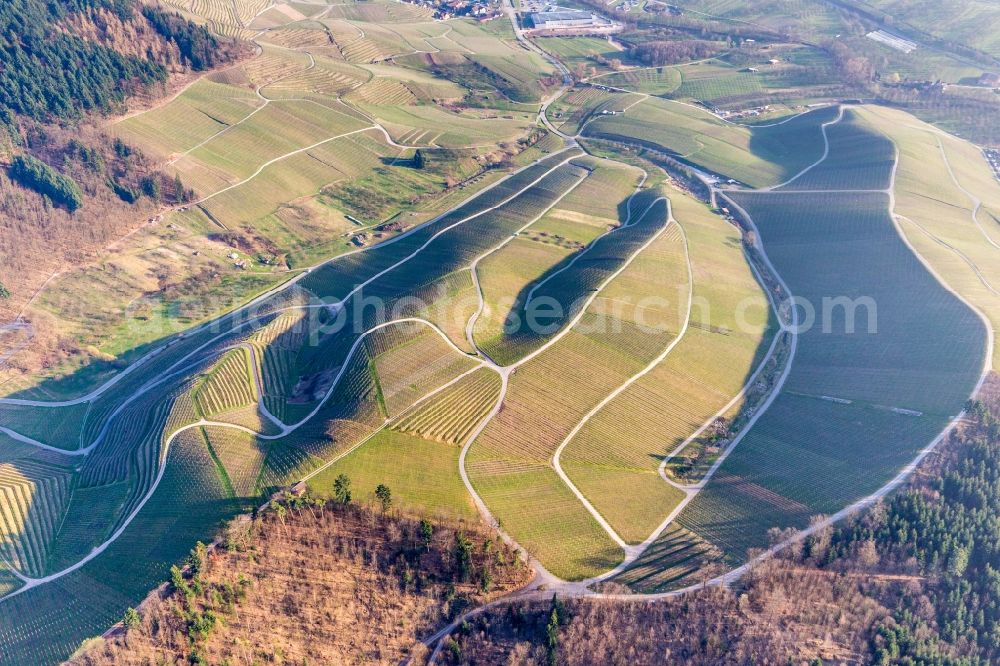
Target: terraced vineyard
x,y
180,400
450,416
892,368
33,497
515,447
228,386
625,441
651,80
578,350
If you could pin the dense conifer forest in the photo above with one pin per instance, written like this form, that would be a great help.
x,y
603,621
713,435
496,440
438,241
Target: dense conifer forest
x,y
46,74
198,47
945,531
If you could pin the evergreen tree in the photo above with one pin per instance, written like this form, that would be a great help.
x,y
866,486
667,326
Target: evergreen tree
x,y
384,496
342,489
131,619
198,47
39,176
46,73
426,533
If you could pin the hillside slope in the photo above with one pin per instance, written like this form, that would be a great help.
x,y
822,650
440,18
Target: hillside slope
x,y
63,68
314,584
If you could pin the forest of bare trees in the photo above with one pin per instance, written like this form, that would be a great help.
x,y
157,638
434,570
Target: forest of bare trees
x,y
315,582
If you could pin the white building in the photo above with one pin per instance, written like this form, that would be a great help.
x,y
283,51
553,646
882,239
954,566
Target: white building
x,y
564,19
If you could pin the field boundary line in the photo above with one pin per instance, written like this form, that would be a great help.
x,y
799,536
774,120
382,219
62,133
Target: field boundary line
x,y
280,158
543,575
594,294
729,405
24,439
692,491
135,365
555,461
977,204
628,222
964,257
826,152
286,429
646,96
257,91
473,267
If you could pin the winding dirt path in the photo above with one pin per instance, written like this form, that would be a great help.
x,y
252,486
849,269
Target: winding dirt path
x,y
628,221
196,358
631,552
543,576
473,267
546,584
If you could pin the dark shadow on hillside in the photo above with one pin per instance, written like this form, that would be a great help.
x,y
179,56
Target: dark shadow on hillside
x,y
793,145
519,339
522,341
193,495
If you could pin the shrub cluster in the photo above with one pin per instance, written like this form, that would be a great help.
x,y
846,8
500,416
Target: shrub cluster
x,y
39,176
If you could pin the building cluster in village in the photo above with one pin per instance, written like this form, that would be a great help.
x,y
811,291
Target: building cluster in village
x,y
483,10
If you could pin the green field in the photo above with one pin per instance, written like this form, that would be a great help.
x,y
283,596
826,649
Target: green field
x,y
759,157
856,406
330,301
582,103
714,82
591,54
958,22
650,80
422,475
